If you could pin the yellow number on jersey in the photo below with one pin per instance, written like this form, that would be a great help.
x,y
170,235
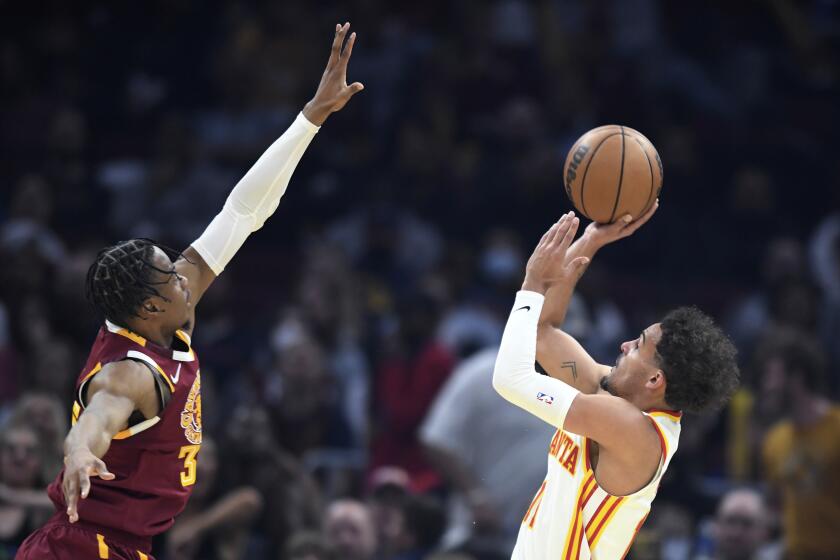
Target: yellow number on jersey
x,y
188,453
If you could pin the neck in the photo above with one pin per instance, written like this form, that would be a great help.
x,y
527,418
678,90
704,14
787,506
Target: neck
x,y
156,333
644,404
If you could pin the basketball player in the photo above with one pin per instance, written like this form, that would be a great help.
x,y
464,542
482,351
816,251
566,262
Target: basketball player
x,y
617,427
131,455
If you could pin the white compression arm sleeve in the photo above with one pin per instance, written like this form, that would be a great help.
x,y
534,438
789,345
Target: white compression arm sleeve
x,y
255,197
514,376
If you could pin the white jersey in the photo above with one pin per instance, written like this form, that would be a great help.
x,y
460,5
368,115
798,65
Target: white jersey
x,y
573,518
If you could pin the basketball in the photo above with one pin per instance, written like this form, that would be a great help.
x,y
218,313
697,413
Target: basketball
x,y
611,171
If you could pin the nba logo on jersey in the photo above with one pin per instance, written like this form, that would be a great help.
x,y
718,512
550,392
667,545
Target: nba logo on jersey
x,y
547,399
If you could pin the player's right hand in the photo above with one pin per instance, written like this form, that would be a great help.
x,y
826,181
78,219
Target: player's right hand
x,y
603,234
79,466
333,92
547,264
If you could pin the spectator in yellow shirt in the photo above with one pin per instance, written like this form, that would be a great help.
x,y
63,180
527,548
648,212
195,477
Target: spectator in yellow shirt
x,y
801,453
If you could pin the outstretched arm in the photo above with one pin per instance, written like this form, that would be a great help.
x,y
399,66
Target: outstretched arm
x,y
114,393
256,196
560,355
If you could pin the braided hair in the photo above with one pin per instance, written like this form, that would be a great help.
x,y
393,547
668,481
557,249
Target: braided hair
x,y
121,278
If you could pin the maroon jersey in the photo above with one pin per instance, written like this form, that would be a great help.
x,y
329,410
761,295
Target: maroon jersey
x,y
153,460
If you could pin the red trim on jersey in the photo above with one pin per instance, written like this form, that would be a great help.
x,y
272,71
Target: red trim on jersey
x,y
597,511
662,443
675,414
604,520
587,453
591,492
633,538
576,535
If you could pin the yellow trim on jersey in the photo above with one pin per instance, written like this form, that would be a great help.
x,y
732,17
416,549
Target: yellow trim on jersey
x,y
132,336
165,378
183,336
608,513
663,414
103,548
77,409
122,331
180,356
137,428
571,550
92,372
142,556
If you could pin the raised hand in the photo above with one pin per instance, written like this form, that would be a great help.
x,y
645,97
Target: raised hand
x,y
603,234
333,92
547,264
80,465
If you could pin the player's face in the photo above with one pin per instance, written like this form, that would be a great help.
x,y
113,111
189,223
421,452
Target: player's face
x,y
174,303
635,365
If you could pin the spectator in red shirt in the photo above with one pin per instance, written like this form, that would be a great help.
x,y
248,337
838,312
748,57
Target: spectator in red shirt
x,y
407,382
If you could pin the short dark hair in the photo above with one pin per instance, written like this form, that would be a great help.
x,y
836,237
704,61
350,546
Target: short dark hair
x,y
698,359
120,278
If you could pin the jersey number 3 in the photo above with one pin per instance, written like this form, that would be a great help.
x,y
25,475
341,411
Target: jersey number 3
x,y
188,453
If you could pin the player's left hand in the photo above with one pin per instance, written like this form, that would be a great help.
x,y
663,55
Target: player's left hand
x,y
627,225
79,466
547,264
333,92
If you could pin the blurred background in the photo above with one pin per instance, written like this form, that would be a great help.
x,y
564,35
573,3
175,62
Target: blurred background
x,y
347,350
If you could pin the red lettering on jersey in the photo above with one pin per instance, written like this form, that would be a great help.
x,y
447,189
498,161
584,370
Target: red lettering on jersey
x,y
554,448
565,450
568,444
571,460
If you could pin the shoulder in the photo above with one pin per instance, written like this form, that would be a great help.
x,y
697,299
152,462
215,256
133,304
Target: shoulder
x,y
125,378
603,403
616,424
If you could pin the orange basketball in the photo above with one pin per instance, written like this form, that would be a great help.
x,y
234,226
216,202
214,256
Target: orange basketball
x,y
611,171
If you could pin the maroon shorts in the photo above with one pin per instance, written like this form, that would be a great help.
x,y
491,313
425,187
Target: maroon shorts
x,y
61,540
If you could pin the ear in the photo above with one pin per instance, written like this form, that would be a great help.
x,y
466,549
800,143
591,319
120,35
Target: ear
x,y
656,380
148,309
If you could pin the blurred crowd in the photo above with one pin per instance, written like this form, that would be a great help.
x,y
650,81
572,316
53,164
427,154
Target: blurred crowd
x,y
347,350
